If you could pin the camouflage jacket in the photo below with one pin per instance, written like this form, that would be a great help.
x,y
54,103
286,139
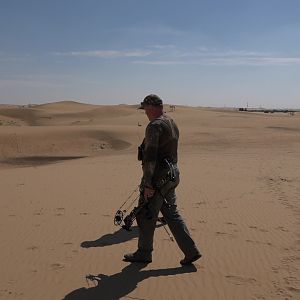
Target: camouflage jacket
x,y
160,142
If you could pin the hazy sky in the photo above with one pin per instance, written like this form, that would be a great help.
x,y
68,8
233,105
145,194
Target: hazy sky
x,y
195,52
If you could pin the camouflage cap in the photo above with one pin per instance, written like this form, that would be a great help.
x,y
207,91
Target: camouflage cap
x,y
151,99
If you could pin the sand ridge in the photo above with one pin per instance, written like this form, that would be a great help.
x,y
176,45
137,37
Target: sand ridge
x,y
239,194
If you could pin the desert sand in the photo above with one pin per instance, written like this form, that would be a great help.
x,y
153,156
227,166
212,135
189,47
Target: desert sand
x,y
66,167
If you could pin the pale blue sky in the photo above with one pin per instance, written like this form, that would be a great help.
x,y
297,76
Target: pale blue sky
x,y
204,52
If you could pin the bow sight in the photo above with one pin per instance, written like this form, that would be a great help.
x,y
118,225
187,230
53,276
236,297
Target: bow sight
x,y
121,212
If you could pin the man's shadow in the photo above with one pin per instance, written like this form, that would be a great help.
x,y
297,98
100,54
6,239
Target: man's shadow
x,y
121,284
118,237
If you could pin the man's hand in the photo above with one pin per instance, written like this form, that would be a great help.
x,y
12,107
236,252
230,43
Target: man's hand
x,y
148,193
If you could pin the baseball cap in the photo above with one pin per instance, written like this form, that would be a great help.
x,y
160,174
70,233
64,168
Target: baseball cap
x,y
151,99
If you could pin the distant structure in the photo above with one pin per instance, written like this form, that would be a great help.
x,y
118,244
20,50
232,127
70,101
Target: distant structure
x,y
172,107
266,111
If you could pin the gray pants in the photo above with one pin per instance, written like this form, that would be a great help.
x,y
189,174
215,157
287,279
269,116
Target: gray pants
x,y
164,201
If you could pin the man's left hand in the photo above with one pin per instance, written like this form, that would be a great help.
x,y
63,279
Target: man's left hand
x,y
148,193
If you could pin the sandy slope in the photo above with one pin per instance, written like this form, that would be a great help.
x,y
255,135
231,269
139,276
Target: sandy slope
x,y
239,193
65,130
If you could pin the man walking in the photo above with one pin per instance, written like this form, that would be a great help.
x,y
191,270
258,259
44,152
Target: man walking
x,y
158,154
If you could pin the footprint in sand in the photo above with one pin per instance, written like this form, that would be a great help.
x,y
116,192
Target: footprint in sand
x,y
38,213
292,280
230,223
57,266
197,204
253,227
260,229
293,290
258,242
10,293
202,222
84,213
239,280
68,243
281,228
59,214
280,291
275,269
60,211
220,233
32,248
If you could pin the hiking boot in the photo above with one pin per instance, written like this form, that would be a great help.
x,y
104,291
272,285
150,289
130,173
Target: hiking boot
x,y
138,257
190,259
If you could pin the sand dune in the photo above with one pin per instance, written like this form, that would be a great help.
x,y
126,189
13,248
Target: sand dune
x,y
69,106
64,113
55,130
19,144
65,168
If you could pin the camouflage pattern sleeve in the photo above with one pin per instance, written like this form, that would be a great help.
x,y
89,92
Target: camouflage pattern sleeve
x,y
150,153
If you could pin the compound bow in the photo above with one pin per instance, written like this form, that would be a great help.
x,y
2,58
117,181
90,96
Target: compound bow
x,y
120,213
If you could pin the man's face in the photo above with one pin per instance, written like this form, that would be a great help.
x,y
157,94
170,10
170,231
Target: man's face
x,y
149,111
